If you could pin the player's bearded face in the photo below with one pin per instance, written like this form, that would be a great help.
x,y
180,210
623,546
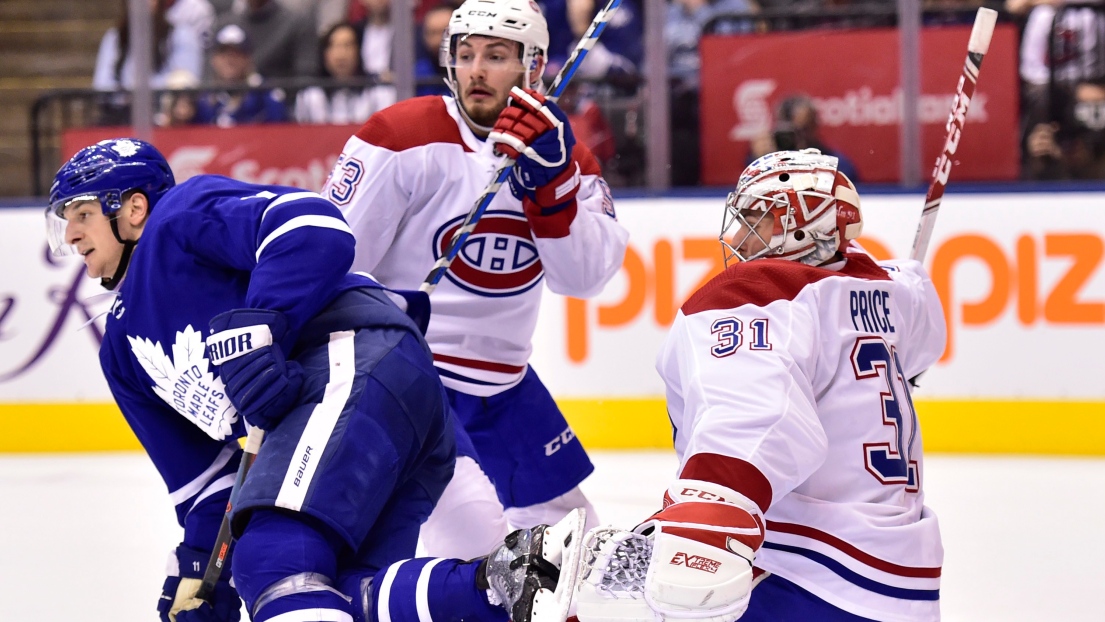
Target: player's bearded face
x,y
487,68
88,229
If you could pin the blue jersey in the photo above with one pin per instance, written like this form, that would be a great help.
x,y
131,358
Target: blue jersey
x,y
210,245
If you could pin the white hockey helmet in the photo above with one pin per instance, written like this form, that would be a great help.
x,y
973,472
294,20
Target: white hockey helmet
x,y
815,208
514,20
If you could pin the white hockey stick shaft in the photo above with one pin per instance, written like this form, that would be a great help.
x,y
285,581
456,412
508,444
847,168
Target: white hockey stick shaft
x,y
586,42
977,47
220,554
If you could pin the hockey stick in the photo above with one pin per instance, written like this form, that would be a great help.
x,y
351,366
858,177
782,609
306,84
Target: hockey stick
x,y
586,42
220,553
977,46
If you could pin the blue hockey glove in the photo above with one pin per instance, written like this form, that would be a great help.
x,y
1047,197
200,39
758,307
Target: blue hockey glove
x,y
536,133
245,344
186,567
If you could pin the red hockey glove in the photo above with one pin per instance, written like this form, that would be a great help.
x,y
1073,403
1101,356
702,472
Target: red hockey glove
x,y
536,133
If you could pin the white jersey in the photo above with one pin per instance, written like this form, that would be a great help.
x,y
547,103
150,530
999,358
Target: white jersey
x,y
405,183
789,384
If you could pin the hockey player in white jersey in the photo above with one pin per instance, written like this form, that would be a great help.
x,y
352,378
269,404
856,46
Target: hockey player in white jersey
x,y
405,183
359,440
799,495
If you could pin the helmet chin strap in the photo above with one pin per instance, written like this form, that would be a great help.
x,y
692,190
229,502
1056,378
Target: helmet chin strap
x,y
128,247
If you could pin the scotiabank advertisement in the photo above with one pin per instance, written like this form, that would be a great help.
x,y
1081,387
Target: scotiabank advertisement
x,y
858,98
280,154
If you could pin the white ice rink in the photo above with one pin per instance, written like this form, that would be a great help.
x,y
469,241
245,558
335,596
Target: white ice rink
x,y
84,538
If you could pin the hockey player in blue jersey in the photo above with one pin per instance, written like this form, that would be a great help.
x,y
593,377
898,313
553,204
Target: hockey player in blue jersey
x,y
237,308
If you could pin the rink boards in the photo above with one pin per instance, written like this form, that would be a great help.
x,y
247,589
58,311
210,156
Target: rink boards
x,y
1021,277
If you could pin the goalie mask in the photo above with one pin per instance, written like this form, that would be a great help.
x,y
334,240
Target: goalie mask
x,y
513,20
792,205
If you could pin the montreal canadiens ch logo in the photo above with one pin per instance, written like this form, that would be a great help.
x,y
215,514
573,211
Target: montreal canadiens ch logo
x,y
498,259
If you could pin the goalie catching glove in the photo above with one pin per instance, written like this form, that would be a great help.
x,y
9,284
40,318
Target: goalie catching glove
x,y
184,576
691,560
536,133
245,344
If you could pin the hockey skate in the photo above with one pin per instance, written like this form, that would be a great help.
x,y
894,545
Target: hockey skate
x,y
533,574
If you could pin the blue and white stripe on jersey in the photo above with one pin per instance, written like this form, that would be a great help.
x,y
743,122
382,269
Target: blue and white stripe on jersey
x,y
193,500
288,212
429,589
323,420
202,482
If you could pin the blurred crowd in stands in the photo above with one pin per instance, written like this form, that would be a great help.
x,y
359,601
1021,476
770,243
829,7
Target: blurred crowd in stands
x,y
230,47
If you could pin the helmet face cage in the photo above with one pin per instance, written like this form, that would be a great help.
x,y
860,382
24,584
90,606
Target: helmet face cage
x,y
513,20
105,172
814,208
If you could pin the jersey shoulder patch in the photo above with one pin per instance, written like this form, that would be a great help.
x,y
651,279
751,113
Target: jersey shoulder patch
x,y
412,123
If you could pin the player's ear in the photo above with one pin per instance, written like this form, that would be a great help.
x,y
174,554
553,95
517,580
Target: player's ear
x,y
139,209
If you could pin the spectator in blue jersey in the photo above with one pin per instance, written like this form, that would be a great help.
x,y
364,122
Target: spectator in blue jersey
x,y
429,74
615,58
232,67
359,444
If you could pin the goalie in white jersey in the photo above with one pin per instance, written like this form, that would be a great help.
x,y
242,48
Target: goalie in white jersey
x,y
405,183
800,457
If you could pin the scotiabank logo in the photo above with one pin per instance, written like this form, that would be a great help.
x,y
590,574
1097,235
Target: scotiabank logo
x,y
696,562
191,160
854,107
1050,279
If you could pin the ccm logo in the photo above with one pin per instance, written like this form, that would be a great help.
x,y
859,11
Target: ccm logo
x,y
563,439
696,561
701,494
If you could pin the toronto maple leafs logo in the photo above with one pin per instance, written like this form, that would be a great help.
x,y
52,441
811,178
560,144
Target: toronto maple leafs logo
x,y
124,147
186,383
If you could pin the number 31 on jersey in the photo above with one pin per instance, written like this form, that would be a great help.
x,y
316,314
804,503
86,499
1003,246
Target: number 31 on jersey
x,y
730,332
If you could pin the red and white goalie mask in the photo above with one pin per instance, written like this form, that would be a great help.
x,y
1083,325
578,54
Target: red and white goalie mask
x,y
791,205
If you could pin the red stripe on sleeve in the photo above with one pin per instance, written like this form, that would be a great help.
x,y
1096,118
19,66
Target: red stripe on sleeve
x,y
730,472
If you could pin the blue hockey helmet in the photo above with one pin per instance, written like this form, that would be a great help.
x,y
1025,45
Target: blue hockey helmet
x,y
108,170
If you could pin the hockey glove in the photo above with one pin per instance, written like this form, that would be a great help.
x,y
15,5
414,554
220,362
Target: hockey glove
x,y
693,559
245,344
536,133
185,573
